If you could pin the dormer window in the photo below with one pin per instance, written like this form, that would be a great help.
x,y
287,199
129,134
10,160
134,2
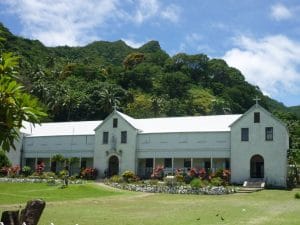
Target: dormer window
x,y
256,117
115,123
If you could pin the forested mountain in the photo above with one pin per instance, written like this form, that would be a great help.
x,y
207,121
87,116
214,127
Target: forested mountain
x,y
84,83
295,110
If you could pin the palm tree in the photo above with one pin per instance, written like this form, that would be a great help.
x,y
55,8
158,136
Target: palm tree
x,y
109,99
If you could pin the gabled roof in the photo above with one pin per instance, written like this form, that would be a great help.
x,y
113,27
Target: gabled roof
x,y
185,124
216,123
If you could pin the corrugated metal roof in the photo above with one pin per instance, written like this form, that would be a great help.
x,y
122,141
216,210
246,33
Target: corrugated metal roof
x,y
182,124
185,124
153,125
61,128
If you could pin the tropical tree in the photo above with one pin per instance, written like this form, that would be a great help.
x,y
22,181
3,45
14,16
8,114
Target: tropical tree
x,y
109,99
16,105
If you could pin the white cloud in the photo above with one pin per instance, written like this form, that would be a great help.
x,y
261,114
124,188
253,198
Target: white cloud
x,y
280,12
62,22
145,10
171,13
73,23
272,63
132,43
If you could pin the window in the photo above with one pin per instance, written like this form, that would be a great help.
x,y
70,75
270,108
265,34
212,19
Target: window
x,y
187,163
207,165
256,117
269,133
83,163
123,137
168,163
149,163
245,134
105,138
115,122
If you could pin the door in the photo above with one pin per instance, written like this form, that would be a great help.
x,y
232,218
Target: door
x,y
113,166
257,166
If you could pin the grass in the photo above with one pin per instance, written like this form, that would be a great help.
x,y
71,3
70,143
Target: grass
x,y
20,193
91,205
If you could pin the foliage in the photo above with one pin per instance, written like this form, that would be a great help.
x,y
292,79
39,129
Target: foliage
x,y
4,161
89,173
39,168
26,171
158,173
293,126
116,179
10,171
297,195
57,158
63,173
128,175
17,106
216,181
197,183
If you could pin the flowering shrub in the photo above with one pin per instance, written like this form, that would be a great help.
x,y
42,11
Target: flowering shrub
x,y
128,175
158,173
39,168
4,171
11,171
89,173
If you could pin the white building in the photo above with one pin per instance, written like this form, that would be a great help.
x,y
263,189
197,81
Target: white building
x,y
252,145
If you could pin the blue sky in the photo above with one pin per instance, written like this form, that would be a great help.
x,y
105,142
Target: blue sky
x,y
260,38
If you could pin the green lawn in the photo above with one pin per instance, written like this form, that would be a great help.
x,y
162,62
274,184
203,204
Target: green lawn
x,y
92,205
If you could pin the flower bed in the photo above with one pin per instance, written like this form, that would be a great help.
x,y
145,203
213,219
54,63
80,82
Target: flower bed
x,y
39,180
177,189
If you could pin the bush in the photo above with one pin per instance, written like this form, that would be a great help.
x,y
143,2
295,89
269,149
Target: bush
x,y
63,173
180,175
158,173
128,175
89,173
4,161
153,181
116,179
40,167
216,181
26,171
297,195
196,183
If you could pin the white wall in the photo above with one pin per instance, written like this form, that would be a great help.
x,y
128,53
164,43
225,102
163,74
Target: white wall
x,y
184,145
125,152
68,146
274,152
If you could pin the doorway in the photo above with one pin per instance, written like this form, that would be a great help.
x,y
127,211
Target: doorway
x,y
113,166
257,166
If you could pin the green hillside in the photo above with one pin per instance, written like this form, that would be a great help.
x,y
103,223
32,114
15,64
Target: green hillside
x,y
295,110
84,83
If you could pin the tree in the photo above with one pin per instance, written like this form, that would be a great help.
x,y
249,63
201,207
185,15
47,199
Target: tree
x,y
109,99
4,161
16,105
